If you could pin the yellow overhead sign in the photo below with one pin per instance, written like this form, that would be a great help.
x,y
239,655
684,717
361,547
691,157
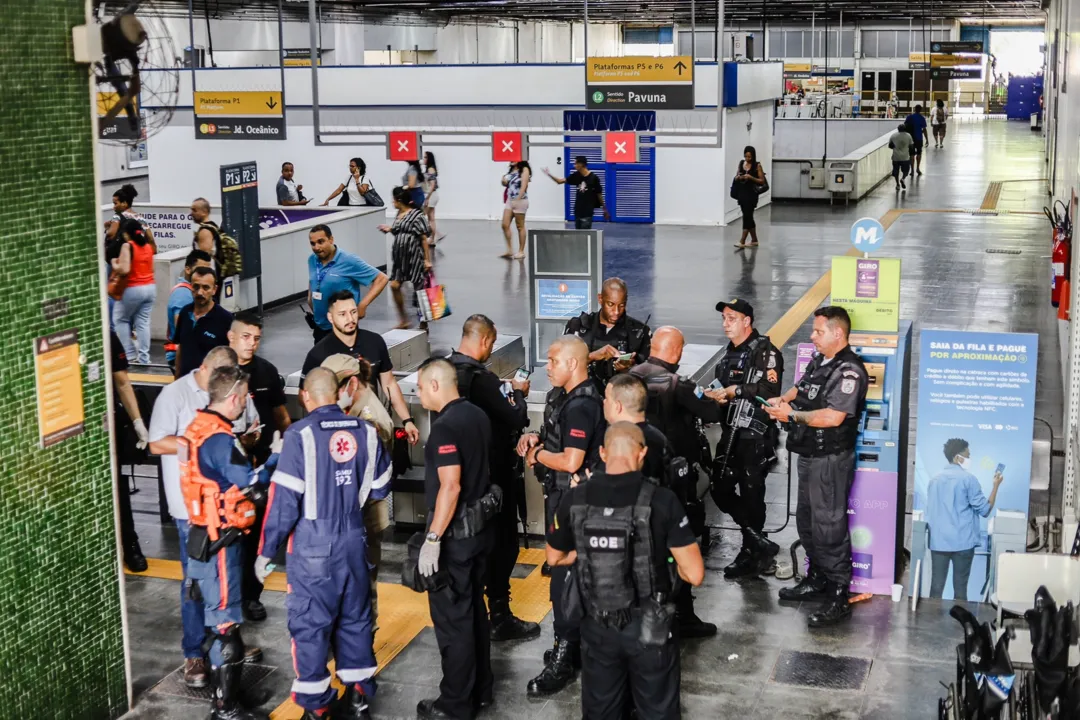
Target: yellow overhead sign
x,y
106,101
238,103
678,69
939,60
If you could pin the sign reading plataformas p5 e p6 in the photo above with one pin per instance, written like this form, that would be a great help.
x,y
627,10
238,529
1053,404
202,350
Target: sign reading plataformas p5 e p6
x,y
639,83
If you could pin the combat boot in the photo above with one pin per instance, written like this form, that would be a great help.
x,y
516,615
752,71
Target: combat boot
x,y
226,701
745,562
691,626
836,609
353,705
812,587
505,626
576,658
765,552
557,674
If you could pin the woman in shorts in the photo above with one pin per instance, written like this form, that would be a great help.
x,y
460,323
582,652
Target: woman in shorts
x,y
937,123
517,204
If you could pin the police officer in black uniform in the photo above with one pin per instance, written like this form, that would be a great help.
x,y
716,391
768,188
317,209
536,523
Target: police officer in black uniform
x,y
625,400
824,412
621,532
509,415
456,483
568,446
751,367
611,334
677,407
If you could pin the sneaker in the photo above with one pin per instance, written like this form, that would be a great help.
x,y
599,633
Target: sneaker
x,y
903,184
196,673
252,654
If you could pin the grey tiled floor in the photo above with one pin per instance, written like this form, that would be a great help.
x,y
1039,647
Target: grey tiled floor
x,y
676,274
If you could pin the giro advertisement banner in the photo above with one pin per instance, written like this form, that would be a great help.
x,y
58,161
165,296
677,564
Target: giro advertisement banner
x,y
869,289
972,453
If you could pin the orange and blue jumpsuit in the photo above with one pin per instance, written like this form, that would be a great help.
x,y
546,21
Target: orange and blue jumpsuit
x,y
219,458
331,464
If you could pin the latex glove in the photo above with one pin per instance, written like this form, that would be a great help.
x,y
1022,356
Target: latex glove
x,y
277,443
263,568
140,430
429,558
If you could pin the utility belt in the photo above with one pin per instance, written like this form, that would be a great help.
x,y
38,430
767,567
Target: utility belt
x,y
473,518
657,617
236,513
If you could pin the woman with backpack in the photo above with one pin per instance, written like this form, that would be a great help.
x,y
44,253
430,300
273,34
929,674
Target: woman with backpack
x,y
411,253
745,188
131,284
357,189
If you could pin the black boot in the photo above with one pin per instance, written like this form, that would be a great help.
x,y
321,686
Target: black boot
x,y
691,626
545,570
558,673
134,558
226,701
765,552
505,626
812,587
576,658
836,608
353,705
745,562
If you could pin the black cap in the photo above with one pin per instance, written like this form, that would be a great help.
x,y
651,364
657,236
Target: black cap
x,y
738,305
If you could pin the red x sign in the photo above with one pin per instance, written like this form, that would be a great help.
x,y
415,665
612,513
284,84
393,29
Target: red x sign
x,y
620,147
507,146
404,145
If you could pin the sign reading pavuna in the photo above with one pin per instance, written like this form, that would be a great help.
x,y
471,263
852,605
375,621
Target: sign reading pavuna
x,y
973,444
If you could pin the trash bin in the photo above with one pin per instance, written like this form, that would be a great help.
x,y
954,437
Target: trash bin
x,y
1036,121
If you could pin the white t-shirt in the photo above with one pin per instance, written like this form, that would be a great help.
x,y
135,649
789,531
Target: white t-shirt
x,y
174,410
355,198
937,116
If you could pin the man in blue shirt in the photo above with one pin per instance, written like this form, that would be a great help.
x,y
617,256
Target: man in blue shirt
x,y
917,124
180,297
954,505
331,270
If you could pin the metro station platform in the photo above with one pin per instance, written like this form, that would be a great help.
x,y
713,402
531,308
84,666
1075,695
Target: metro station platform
x,y
974,247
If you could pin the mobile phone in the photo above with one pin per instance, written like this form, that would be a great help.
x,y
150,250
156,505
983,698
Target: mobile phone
x,y
1000,469
761,400
521,375
716,384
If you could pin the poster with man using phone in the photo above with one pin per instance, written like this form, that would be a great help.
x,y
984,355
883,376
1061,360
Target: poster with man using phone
x,y
972,478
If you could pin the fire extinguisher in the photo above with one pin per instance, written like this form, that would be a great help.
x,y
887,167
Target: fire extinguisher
x,y
1061,255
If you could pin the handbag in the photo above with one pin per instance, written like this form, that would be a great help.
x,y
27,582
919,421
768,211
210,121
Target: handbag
x,y
763,187
371,197
431,300
117,285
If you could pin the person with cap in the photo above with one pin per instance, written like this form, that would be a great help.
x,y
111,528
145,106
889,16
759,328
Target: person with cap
x,y
356,397
615,340
823,413
567,446
330,465
751,367
678,407
219,489
627,539
508,411
461,503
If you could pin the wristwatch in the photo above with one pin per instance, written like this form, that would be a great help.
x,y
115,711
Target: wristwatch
x,y
432,537
408,420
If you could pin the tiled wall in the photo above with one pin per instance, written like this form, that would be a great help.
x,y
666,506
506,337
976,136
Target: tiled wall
x,y
61,642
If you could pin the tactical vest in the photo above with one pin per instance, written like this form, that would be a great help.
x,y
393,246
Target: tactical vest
x,y
736,368
552,431
818,442
615,556
587,326
207,506
661,384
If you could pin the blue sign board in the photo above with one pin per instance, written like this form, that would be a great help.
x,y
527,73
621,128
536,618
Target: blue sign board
x,y
562,298
973,443
867,234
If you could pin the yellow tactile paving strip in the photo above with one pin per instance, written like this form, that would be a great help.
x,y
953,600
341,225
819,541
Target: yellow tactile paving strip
x,y
993,194
402,612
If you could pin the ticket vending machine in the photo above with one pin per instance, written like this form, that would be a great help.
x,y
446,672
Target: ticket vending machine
x,y
878,498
